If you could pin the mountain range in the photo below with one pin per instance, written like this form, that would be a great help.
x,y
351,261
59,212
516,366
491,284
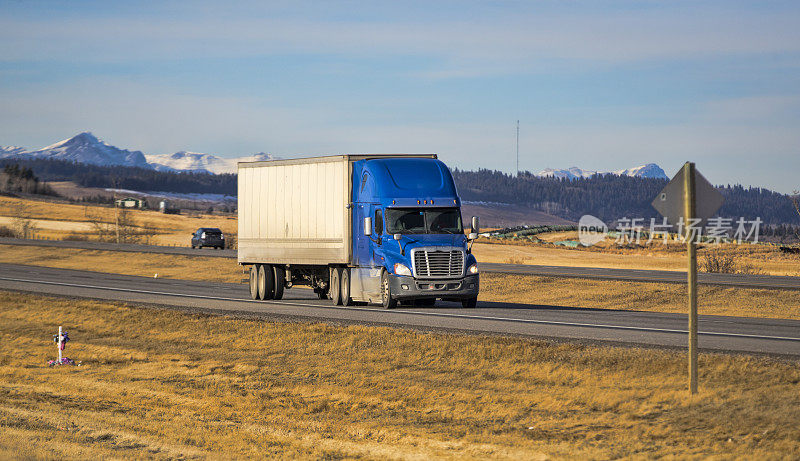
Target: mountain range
x,y
87,148
651,170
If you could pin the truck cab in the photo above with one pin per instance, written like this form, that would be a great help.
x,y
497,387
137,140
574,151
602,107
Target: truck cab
x,y
408,235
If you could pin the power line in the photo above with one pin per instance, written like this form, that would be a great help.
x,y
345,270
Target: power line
x,y
517,147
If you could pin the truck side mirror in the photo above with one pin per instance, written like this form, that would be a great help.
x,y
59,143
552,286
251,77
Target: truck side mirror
x,y
398,237
368,226
476,228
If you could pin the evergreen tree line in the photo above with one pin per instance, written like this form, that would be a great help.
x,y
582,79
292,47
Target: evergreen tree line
x,y
607,197
610,197
139,179
16,179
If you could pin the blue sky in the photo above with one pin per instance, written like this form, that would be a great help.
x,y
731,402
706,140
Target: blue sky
x,y
600,85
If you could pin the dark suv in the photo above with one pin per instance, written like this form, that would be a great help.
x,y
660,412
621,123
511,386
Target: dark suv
x,y
208,237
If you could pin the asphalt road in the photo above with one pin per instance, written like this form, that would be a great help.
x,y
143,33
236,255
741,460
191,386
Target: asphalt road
x,y
767,336
597,273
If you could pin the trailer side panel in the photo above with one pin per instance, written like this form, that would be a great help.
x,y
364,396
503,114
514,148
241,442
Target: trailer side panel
x,y
295,211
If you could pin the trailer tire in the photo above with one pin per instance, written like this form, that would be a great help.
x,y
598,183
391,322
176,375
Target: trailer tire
x,y
335,288
345,287
280,281
262,282
254,281
269,282
386,292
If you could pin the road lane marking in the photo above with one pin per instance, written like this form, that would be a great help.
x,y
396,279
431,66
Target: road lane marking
x,y
401,311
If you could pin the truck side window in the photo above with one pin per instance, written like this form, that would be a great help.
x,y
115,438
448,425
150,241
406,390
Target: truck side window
x,y
378,223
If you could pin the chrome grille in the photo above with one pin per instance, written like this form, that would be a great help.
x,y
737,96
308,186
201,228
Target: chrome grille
x,y
438,263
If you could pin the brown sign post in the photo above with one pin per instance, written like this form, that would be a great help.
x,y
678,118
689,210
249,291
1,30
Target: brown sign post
x,y
687,198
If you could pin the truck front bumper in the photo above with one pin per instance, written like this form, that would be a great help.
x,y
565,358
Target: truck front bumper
x,y
410,288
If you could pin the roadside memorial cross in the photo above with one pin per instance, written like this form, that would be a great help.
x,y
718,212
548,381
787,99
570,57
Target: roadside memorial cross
x,y
61,340
689,198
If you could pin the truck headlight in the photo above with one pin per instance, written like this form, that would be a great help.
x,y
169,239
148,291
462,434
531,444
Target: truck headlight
x,y
473,269
402,269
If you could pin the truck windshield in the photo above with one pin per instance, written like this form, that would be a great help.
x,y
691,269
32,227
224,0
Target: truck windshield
x,y
423,221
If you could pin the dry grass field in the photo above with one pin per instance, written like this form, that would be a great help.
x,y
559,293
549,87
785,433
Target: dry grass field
x,y
119,262
56,220
761,258
638,296
162,384
541,291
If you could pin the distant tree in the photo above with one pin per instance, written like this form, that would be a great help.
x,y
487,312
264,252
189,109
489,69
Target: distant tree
x,y
796,203
22,223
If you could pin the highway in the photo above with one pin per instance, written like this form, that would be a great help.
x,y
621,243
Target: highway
x,y
749,335
596,273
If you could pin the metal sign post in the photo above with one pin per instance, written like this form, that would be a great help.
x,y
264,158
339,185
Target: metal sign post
x,y
689,199
689,212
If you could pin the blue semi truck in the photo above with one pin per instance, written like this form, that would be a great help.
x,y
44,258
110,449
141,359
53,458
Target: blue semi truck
x,y
356,228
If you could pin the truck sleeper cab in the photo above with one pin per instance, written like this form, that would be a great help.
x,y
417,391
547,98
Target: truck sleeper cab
x,y
356,228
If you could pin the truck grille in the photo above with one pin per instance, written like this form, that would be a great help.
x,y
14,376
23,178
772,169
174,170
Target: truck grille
x,y
438,263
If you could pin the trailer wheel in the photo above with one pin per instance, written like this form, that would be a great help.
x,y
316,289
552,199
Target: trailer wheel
x,y
269,282
469,303
254,281
386,292
280,281
345,287
262,282
335,288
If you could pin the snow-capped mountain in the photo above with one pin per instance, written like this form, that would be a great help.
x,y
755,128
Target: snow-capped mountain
x,y
87,148
8,151
651,170
200,163
570,173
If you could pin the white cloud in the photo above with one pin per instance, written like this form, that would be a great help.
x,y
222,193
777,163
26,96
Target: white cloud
x,y
515,39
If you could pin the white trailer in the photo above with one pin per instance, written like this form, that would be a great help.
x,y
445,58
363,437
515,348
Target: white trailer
x,y
295,211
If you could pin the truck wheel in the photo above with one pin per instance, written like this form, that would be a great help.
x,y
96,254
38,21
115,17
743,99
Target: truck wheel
x,y
335,288
345,287
269,282
262,283
469,303
386,292
254,281
280,281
